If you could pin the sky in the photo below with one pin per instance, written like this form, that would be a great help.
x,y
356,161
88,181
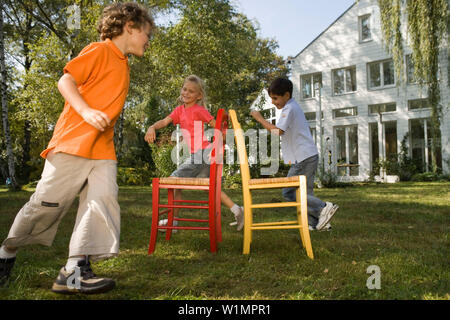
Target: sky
x,y
292,23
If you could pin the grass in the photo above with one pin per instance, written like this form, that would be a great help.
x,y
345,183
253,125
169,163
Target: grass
x,y
402,228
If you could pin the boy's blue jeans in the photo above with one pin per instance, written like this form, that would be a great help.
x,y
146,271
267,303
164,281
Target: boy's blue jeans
x,y
307,168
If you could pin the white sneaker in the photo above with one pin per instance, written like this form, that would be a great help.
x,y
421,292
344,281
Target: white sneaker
x,y
326,214
163,222
239,219
327,227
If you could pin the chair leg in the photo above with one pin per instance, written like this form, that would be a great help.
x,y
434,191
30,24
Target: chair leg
x,y
170,198
299,217
218,210
212,227
218,226
250,215
302,192
247,222
155,216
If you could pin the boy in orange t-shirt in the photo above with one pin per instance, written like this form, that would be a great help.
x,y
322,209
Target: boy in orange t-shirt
x,y
80,157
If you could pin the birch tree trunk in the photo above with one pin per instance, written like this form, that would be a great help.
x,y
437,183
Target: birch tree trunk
x,y
4,96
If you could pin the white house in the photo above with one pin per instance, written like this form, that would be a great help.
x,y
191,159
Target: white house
x,y
264,104
365,114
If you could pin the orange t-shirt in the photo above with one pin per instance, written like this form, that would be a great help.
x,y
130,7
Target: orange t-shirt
x,y
101,72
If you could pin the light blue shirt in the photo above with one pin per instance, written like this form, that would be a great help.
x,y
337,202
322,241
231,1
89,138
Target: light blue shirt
x,y
297,143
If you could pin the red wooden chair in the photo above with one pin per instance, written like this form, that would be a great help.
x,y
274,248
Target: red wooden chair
x,y
212,185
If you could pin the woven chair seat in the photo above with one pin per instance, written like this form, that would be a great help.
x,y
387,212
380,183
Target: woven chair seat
x,y
185,181
273,180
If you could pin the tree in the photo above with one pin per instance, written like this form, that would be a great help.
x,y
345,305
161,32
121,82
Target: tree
x,y
427,22
21,29
210,39
4,97
218,44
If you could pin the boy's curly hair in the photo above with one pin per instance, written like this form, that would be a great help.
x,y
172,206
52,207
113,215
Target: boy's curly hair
x,y
115,17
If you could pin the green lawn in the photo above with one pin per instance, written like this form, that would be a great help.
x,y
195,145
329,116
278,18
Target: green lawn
x,y
402,228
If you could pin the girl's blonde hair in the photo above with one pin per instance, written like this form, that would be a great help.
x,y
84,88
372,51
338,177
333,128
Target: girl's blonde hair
x,y
201,86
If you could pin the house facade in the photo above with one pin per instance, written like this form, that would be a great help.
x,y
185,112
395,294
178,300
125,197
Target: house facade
x,y
347,76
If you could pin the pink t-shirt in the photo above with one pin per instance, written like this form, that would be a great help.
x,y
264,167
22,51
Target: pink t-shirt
x,y
192,121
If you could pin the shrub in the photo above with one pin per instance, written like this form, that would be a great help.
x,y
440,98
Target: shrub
x,y
161,155
328,179
231,178
430,176
134,176
402,165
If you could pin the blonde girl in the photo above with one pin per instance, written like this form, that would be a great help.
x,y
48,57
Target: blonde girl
x,y
191,110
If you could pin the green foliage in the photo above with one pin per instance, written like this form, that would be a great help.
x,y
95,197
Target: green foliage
x,y
430,176
139,176
402,165
427,22
231,178
219,45
329,179
210,39
392,37
162,156
405,168
36,167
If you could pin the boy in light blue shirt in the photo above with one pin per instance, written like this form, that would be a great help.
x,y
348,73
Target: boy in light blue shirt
x,y
298,149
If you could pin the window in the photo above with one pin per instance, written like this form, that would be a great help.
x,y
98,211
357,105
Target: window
x,y
389,145
345,112
374,146
346,148
344,80
410,69
266,113
313,134
308,83
410,77
383,107
311,116
316,135
418,104
269,115
420,142
390,140
364,28
381,74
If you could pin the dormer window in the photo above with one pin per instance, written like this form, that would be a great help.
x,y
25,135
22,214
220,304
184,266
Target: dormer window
x,y
365,33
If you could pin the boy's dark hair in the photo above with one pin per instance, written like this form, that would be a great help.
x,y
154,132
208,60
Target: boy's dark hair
x,y
280,86
116,15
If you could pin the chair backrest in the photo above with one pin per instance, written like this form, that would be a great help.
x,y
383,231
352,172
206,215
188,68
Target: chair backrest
x,y
240,144
218,145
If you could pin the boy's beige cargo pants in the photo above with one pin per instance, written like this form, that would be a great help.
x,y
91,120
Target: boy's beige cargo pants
x,y
97,227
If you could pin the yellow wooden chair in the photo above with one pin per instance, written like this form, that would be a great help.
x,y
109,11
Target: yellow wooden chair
x,y
248,185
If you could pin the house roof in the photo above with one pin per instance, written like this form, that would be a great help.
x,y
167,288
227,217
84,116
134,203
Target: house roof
x,y
324,31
